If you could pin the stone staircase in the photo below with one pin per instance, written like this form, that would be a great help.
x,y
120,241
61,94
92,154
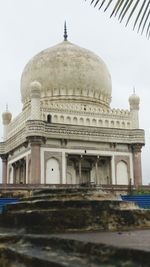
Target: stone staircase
x,y
55,251
63,210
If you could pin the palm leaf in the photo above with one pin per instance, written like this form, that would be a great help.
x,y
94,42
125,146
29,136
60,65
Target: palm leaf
x,y
137,11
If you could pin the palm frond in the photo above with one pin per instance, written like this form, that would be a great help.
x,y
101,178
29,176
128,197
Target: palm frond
x,y
137,11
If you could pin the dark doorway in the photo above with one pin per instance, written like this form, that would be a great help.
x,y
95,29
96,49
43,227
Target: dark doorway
x,y
49,118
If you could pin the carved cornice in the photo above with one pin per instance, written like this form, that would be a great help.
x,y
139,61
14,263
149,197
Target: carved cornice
x,y
36,140
77,132
40,129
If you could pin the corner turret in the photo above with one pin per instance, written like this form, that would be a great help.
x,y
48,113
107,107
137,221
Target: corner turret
x,y
6,118
35,92
134,102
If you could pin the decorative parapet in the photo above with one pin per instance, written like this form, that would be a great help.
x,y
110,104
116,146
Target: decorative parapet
x,y
87,115
15,141
75,114
18,123
82,109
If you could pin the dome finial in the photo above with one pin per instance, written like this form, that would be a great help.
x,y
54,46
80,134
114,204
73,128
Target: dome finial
x,y
65,32
133,90
6,106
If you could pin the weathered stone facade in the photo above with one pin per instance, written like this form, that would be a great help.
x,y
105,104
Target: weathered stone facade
x,y
67,133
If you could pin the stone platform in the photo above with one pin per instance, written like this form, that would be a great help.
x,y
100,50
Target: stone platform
x,y
67,210
69,227
74,250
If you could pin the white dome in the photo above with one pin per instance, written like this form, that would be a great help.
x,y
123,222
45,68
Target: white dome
x,y
68,72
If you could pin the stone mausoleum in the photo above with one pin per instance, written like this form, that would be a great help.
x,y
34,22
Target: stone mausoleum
x,y
67,132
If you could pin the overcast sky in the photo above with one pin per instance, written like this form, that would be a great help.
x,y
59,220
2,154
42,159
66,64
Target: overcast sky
x,y
29,26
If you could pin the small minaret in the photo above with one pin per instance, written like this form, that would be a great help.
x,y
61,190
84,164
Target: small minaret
x,y
6,118
35,90
134,102
65,32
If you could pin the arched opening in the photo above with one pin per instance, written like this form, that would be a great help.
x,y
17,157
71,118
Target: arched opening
x,y
117,124
112,123
88,122
61,119
86,166
19,171
55,118
75,120
81,121
100,122
52,171
122,173
49,118
106,123
128,125
123,124
68,120
94,122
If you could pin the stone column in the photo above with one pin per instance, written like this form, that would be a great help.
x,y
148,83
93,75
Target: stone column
x,y
96,168
35,143
27,165
23,171
80,170
14,173
136,148
19,171
64,167
4,168
113,175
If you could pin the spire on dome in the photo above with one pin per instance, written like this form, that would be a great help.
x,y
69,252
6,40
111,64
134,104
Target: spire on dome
x,y
65,32
6,107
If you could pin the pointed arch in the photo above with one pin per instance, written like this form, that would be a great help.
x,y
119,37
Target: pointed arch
x,y
52,171
122,173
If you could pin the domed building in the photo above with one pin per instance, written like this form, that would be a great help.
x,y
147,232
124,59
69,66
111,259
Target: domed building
x,y
67,132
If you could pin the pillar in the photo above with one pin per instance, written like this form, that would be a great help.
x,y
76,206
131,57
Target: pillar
x,y
16,167
113,176
64,167
80,170
4,168
27,168
137,170
14,173
96,169
35,143
22,171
